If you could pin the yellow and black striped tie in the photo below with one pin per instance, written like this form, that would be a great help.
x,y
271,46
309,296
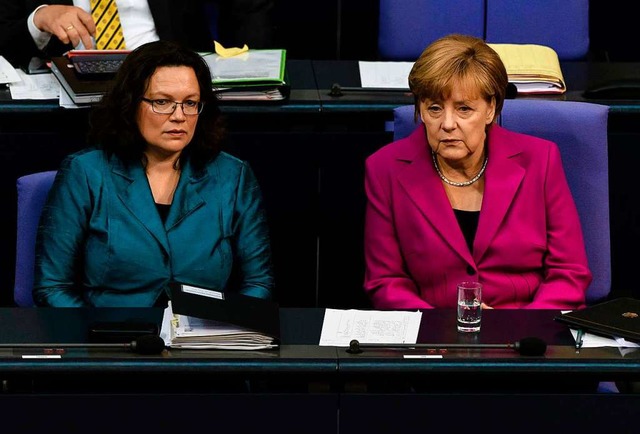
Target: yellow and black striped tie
x,y
108,28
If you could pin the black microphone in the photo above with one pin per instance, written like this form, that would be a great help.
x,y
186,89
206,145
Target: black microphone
x,y
527,347
336,90
145,344
512,91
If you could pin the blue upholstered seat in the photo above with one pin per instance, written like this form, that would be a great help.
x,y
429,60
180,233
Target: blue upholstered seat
x,y
560,24
406,27
32,195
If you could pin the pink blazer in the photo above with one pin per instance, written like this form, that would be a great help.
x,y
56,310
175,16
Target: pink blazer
x,y
528,251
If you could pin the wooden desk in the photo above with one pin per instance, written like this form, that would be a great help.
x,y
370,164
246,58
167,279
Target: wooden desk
x,y
323,389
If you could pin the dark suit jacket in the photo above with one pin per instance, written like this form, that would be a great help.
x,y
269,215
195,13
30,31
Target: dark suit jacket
x,y
179,20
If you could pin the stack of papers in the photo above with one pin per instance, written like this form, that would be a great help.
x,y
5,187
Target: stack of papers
x,y
188,332
253,75
230,94
533,69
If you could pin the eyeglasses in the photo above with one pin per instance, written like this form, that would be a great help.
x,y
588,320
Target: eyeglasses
x,y
167,107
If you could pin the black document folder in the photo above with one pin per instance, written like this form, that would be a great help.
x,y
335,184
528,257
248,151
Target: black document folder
x,y
619,317
82,90
252,313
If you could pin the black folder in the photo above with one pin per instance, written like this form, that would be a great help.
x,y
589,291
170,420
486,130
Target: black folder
x,y
252,313
81,89
619,317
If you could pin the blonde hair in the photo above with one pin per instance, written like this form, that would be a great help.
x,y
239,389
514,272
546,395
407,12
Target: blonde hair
x,y
455,59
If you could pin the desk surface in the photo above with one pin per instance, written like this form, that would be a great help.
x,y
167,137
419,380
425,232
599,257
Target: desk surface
x,y
578,75
243,391
300,333
303,97
311,82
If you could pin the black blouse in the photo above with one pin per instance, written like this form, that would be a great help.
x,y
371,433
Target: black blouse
x,y
468,221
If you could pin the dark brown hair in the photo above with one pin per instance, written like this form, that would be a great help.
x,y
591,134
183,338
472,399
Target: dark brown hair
x,y
113,123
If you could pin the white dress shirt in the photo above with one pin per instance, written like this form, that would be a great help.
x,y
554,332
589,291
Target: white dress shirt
x,y
138,27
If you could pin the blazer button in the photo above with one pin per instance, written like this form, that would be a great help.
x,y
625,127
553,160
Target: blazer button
x,y
470,270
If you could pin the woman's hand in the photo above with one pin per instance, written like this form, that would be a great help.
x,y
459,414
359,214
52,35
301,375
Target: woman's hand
x,y
485,306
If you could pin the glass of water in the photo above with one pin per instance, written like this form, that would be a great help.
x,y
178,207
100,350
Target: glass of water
x,y
469,310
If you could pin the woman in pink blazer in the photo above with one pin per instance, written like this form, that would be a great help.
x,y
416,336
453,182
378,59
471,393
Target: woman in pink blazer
x,y
462,198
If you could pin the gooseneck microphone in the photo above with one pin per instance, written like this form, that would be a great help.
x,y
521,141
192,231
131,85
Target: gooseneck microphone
x,y
145,344
527,347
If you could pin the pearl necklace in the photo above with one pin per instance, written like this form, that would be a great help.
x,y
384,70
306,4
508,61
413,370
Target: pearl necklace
x,y
460,184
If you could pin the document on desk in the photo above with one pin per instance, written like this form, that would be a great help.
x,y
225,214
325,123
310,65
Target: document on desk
x,y
8,73
369,327
532,68
273,94
40,86
385,75
189,332
589,340
249,68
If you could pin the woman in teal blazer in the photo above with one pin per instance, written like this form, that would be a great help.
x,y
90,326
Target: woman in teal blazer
x,y
157,202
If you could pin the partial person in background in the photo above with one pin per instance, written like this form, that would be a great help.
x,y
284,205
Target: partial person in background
x,y
33,28
242,22
155,201
462,198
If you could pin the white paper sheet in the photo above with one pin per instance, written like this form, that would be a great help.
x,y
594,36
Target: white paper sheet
x,y
369,327
594,341
8,73
37,86
385,75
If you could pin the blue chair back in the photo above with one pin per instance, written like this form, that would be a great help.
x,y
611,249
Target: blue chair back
x,y
32,195
406,27
580,131
560,24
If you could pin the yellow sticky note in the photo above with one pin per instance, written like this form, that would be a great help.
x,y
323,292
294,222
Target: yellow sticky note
x,y
229,52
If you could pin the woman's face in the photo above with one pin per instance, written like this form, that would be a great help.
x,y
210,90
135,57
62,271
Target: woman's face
x,y
456,127
168,134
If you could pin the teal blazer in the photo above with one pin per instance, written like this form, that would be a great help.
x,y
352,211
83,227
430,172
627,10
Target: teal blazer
x,y
101,241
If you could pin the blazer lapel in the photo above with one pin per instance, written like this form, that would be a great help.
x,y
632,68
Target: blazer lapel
x,y
423,186
502,180
133,190
187,197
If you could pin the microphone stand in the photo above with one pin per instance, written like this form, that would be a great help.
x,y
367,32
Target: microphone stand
x,y
145,344
528,346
